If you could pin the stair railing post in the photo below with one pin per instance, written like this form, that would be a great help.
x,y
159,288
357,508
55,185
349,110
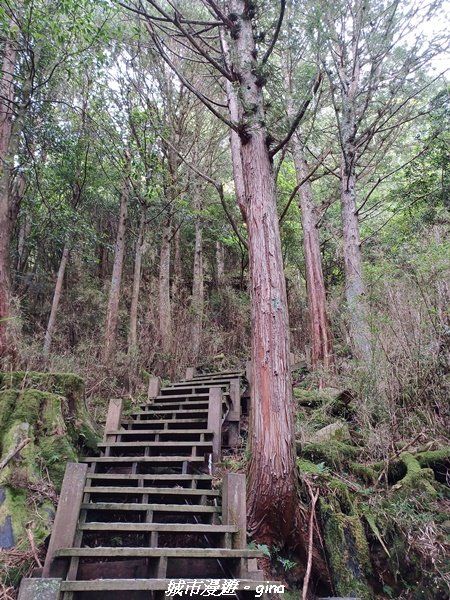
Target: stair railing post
x,y
154,388
234,507
190,373
39,589
66,518
234,416
114,416
215,420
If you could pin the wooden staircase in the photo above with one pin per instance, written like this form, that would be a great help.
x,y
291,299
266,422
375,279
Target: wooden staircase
x,y
145,512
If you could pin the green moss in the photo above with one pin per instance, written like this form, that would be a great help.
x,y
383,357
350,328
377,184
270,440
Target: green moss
x,y
333,453
416,479
66,384
306,466
365,472
347,550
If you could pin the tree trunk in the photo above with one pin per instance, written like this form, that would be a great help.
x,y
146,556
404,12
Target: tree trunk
x,y
272,486
319,326
140,247
114,293
354,283
176,280
6,164
165,318
220,264
197,284
55,303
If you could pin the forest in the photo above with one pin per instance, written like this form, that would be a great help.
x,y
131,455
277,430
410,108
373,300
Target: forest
x,y
222,183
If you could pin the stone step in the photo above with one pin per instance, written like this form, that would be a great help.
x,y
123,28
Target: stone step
x,y
159,527
125,506
113,552
150,491
110,585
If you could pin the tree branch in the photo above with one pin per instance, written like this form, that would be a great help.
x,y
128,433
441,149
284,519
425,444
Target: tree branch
x,y
276,33
298,117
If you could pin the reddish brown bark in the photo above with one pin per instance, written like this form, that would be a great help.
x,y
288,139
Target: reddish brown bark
x,y
319,326
272,485
165,312
6,159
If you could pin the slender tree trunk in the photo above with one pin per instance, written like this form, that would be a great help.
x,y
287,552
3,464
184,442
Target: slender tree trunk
x,y
354,283
165,318
132,335
114,293
220,264
6,164
197,285
319,326
22,254
176,280
272,486
55,303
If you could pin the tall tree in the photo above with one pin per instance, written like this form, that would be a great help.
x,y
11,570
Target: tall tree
x,y
272,470
116,278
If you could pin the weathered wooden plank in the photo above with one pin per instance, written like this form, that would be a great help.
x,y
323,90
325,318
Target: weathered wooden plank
x,y
114,416
190,373
65,525
149,490
118,506
234,506
39,589
155,477
154,388
136,459
140,584
161,527
215,420
112,552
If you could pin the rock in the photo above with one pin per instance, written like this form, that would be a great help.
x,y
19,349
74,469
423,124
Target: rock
x,y
335,431
6,534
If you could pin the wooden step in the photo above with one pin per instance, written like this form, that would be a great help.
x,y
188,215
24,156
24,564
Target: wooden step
x,y
141,490
181,508
160,527
142,459
144,444
113,552
162,421
110,585
157,477
164,432
168,411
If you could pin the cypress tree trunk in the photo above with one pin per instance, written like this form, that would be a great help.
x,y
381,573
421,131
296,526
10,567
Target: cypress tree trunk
x,y
6,163
197,284
272,490
165,318
116,279
319,326
139,253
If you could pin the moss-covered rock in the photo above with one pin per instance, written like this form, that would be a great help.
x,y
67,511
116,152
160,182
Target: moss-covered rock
x,y
346,545
55,425
333,453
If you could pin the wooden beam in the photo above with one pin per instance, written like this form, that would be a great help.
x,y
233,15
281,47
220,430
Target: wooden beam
x,y
234,506
66,519
190,373
235,395
39,589
154,388
215,420
114,416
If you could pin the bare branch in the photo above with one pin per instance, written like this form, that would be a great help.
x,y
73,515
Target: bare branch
x,y
298,117
276,33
